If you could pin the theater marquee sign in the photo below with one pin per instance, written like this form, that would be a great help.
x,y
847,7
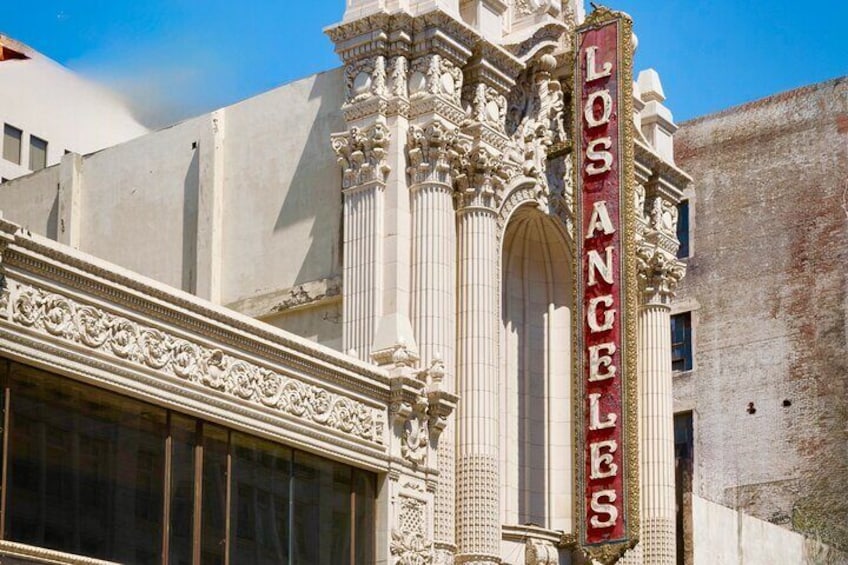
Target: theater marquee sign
x,y
608,507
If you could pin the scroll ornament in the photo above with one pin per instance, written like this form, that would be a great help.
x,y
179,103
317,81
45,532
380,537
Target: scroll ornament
x,y
150,347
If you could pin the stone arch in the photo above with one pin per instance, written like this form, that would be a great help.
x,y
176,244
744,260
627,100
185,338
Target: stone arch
x,y
524,192
535,364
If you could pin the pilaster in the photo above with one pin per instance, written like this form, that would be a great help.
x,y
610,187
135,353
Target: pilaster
x,y
69,200
659,272
435,150
487,80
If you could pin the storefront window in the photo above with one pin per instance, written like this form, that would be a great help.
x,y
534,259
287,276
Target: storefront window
x,y
97,474
86,470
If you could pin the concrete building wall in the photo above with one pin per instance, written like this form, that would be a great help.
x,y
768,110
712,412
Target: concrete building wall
x,y
767,284
722,536
240,206
33,201
282,196
46,100
139,204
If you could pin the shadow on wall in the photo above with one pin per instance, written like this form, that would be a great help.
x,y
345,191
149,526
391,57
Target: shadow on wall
x,y
191,195
305,196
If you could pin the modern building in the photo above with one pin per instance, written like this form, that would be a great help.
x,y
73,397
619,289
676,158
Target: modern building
x,y
335,323
47,111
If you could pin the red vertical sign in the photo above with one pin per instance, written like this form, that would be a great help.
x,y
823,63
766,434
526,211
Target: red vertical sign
x,y
603,232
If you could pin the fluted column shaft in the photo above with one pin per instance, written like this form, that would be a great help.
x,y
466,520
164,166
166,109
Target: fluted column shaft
x,y
362,289
434,323
477,514
656,433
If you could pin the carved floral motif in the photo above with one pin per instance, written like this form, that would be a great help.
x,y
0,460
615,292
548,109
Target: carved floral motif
x,y
535,117
659,272
435,151
366,78
124,339
362,154
416,433
409,544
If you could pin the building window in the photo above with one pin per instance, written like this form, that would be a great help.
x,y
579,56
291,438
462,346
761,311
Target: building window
x,y
683,229
684,457
12,137
37,153
681,342
87,475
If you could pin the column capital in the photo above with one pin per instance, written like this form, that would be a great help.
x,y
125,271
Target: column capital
x,y
482,178
659,273
362,152
436,151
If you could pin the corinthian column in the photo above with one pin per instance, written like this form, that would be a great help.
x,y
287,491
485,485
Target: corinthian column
x,y
362,155
659,273
478,512
433,152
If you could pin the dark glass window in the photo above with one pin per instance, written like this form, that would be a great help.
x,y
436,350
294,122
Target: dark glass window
x,y
261,499
86,470
213,519
683,229
183,448
87,475
681,342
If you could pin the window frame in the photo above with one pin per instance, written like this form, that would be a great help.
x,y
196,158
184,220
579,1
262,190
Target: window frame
x,y
687,344
33,140
6,129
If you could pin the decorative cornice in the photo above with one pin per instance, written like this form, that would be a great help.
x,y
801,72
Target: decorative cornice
x,y
20,551
32,256
125,339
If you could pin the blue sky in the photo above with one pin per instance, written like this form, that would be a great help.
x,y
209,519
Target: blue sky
x,y
177,58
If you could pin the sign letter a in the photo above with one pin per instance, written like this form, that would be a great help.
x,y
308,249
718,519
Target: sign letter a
x,y
600,219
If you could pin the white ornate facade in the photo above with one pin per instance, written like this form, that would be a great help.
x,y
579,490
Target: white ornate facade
x,y
438,263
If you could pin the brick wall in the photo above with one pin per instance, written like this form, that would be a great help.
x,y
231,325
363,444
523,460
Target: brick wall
x,y
767,281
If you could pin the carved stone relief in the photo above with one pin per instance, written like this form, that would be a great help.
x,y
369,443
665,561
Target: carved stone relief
x,y
409,544
121,338
362,154
436,152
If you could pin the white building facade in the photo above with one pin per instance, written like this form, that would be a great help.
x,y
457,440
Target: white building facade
x,y
47,111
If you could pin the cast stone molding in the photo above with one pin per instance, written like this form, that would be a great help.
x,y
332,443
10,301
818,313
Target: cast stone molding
x,y
362,154
118,337
436,152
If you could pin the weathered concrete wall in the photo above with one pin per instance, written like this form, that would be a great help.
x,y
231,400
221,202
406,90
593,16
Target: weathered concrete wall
x,y
266,163
723,536
32,202
282,196
139,203
768,273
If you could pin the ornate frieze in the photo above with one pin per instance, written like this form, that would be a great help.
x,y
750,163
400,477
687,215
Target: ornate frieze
x,y
435,75
362,154
487,106
115,336
366,78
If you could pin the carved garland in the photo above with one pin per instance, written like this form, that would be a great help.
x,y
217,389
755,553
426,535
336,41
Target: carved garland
x,y
118,337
